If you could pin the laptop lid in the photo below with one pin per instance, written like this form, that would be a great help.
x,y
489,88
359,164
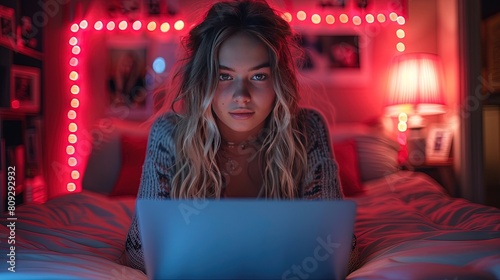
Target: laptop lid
x,y
239,238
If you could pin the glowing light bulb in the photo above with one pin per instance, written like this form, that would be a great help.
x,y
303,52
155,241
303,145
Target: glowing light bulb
x,y
381,18
72,127
98,25
84,24
287,16
122,25
73,61
110,26
400,47
356,20
316,19
179,25
330,19
72,138
165,27
400,33
75,27
401,20
301,15
70,150
76,50
75,174
75,103
136,25
151,26
75,89
71,114
73,75
393,16
343,18
71,187
370,18
402,126
403,117
73,41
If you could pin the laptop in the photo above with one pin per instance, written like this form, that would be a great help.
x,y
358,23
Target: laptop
x,y
246,239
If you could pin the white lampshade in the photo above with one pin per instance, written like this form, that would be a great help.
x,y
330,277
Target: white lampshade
x,y
415,85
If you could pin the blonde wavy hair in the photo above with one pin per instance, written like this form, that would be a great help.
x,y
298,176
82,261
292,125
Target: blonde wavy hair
x,y
284,156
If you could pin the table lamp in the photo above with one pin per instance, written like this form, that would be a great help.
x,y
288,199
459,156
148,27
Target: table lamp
x,y
415,90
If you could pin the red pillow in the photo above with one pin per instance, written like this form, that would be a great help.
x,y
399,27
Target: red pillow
x,y
133,150
347,159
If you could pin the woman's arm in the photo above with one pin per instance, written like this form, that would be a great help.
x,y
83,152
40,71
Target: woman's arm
x,y
155,181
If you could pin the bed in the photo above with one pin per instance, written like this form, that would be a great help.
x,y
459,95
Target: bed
x,y
407,226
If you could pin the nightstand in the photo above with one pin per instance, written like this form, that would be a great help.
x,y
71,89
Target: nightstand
x,y
442,172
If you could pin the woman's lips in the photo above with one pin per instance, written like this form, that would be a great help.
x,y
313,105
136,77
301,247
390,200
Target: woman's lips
x,y
241,114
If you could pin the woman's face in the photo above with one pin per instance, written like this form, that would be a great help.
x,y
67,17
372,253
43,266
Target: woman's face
x,y
244,96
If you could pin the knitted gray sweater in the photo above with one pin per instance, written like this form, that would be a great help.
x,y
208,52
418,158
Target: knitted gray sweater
x,y
320,182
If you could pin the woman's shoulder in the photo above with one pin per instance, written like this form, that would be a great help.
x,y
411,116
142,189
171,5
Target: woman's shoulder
x,y
163,127
311,118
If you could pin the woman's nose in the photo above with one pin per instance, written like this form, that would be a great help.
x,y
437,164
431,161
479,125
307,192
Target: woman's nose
x,y
241,93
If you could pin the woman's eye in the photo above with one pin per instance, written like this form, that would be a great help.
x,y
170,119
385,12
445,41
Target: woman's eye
x,y
224,77
259,77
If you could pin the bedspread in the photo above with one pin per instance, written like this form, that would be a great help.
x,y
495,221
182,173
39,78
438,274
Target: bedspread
x,y
409,228
77,236
406,226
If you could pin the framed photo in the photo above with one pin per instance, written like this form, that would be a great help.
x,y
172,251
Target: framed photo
x,y
335,59
438,143
7,27
130,96
25,89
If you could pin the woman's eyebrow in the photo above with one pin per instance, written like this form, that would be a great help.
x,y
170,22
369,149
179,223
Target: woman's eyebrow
x,y
262,65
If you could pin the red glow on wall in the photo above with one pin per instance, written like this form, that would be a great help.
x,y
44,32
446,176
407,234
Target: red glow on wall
x,y
74,156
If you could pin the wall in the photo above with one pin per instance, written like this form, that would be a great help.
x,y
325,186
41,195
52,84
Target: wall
x,y
425,32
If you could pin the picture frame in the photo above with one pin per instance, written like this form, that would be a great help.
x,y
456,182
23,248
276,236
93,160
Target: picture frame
x,y
338,59
438,144
129,91
7,27
25,89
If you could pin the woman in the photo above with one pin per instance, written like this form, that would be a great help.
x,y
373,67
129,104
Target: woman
x,y
239,131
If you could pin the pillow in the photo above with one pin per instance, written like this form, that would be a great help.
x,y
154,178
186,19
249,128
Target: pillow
x,y
133,153
377,152
347,159
377,155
